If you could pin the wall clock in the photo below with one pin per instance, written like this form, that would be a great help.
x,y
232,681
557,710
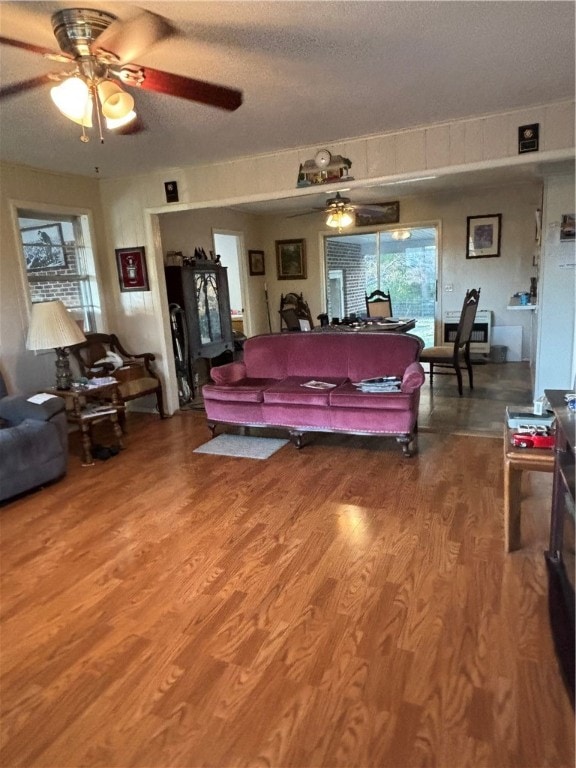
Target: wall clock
x,y
322,158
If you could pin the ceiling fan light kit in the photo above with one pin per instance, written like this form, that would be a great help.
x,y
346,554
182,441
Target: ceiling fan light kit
x,y
73,99
101,48
339,212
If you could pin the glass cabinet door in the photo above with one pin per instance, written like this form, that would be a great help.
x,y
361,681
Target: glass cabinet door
x,y
209,321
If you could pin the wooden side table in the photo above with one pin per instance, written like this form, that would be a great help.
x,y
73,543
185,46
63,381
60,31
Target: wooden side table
x,y
83,409
516,461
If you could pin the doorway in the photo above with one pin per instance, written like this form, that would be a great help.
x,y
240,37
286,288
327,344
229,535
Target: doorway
x,y
402,262
229,246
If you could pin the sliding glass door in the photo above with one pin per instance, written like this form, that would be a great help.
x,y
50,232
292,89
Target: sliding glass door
x,y
402,262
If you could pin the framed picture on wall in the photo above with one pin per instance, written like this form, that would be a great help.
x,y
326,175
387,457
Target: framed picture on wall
x,y
43,247
256,263
291,259
377,214
483,235
132,272
567,226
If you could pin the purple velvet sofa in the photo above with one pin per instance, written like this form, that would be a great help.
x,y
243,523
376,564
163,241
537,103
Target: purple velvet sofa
x,y
265,389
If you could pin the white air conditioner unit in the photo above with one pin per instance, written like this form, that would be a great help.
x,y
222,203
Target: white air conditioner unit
x,y
481,331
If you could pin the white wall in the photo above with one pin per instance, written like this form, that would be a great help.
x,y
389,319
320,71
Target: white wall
x,y
556,362
499,278
26,371
131,206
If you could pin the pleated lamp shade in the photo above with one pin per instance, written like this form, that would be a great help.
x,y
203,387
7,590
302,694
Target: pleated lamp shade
x,y
52,327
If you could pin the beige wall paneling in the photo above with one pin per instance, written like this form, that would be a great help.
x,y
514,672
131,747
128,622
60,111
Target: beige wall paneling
x,y
438,146
496,137
411,151
381,156
473,141
559,127
457,143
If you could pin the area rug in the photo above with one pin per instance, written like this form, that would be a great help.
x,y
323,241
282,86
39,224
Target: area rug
x,y
242,446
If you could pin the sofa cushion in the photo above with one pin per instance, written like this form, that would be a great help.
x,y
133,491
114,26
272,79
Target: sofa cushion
x,y
349,396
290,391
244,391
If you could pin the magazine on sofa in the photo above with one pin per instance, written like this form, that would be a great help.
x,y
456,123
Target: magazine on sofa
x,y
313,384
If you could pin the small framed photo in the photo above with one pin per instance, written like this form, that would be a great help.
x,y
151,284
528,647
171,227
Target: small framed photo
x,y
132,272
380,213
567,229
256,263
43,247
291,259
483,235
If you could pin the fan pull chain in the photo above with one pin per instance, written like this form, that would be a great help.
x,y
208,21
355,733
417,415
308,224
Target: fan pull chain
x,y
98,116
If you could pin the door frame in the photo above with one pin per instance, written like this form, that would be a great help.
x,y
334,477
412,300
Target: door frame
x,y
243,272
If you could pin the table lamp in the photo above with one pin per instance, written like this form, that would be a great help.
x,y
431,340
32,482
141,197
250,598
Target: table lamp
x,y
52,326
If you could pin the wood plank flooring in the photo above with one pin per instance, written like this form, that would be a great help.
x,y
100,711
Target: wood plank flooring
x,y
334,606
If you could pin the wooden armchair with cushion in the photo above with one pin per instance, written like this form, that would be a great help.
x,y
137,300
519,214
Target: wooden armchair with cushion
x,y
102,354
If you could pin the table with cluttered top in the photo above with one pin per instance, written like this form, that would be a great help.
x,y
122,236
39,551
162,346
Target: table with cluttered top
x,y
84,409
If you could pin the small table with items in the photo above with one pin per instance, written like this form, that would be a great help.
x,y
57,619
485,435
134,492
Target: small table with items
x,y
516,461
83,408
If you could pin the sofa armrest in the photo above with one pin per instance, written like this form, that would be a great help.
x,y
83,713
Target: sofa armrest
x,y
413,378
16,408
229,373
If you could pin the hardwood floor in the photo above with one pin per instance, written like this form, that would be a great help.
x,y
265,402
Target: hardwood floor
x,y
340,605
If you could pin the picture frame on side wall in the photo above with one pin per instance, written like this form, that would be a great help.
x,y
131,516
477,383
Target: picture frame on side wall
x,y
291,259
132,272
483,236
256,263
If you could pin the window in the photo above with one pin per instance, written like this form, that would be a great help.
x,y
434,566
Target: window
x,y
59,262
401,262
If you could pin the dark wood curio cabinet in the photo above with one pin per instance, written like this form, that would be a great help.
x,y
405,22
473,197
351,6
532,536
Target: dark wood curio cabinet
x,y
202,292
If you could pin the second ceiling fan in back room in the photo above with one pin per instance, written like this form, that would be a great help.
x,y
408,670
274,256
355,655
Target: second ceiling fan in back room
x,y
341,212
102,50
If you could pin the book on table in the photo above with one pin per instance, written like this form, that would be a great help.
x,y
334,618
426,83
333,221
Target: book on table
x,y
517,417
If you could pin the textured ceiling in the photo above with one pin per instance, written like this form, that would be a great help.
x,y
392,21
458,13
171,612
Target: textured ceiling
x,y
312,73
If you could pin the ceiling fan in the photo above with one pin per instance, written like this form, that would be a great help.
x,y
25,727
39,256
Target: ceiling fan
x,y
101,49
341,212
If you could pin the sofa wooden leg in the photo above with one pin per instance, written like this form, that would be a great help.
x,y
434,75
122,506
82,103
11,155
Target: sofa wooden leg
x,y
408,443
212,428
296,438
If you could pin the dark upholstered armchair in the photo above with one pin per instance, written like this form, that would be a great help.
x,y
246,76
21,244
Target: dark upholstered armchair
x,y
102,354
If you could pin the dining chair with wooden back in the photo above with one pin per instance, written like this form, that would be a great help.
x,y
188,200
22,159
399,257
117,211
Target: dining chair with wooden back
x,y
378,304
293,308
445,357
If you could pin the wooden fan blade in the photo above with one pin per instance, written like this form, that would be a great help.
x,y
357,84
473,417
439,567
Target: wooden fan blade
x,y
131,38
194,90
304,213
24,85
25,46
